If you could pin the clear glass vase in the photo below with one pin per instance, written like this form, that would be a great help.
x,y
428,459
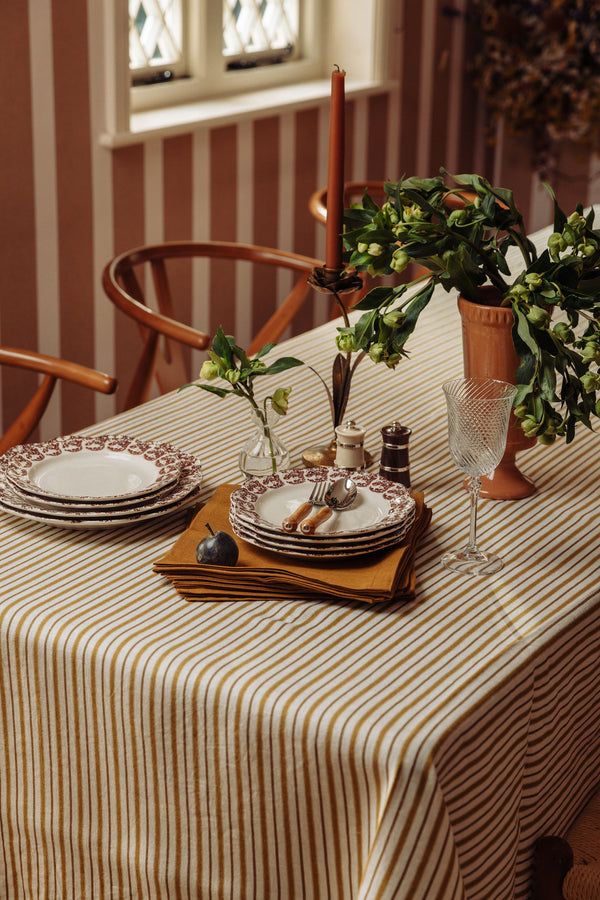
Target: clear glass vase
x,y
263,453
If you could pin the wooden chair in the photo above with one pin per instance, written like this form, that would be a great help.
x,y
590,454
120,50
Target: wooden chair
x,y
124,285
52,369
569,868
353,193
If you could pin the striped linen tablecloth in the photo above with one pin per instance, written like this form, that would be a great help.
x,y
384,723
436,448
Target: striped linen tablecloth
x,y
158,748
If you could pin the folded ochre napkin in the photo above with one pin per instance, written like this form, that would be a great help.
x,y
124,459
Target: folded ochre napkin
x,y
261,574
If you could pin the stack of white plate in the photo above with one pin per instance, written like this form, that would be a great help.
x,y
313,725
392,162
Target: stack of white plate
x,y
97,482
379,518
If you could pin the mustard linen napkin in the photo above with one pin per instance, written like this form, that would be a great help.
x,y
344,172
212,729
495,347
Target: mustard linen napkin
x,y
260,574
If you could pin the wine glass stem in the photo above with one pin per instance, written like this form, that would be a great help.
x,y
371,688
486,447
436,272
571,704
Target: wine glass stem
x,y
474,488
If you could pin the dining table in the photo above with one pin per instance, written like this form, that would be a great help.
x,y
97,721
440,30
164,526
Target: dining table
x,y
255,748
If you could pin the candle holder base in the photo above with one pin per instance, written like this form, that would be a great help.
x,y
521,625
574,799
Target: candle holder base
x,y
334,281
324,455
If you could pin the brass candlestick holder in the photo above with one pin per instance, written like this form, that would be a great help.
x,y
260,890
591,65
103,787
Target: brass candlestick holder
x,y
335,282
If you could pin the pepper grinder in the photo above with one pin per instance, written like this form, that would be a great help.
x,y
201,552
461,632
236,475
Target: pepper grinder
x,y
395,465
350,453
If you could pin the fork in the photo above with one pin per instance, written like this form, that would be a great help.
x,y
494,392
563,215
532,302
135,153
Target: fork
x,y
316,498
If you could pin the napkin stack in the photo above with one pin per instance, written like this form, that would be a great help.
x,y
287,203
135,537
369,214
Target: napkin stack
x,y
261,575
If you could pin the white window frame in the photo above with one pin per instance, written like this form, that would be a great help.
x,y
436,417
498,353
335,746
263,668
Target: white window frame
x,y
355,34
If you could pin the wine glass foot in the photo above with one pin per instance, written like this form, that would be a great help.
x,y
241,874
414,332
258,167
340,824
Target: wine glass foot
x,y
472,562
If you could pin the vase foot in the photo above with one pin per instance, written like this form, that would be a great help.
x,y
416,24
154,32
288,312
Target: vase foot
x,y
506,483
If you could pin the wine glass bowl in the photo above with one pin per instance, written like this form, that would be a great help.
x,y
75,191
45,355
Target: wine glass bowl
x,y
478,416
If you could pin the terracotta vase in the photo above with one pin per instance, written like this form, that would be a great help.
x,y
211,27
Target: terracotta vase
x,y
488,352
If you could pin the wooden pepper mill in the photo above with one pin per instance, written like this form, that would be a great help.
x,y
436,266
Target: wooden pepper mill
x,y
394,453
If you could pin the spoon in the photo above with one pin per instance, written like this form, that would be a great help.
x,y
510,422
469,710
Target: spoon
x,y
340,495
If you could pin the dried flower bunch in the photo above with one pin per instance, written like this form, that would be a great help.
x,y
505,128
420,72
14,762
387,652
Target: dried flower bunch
x,y
538,68
555,297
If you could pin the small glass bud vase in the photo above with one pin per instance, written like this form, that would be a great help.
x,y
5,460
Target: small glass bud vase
x,y
263,453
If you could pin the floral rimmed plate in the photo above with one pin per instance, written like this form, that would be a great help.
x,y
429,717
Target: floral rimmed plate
x,y
263,503
108,467
332,549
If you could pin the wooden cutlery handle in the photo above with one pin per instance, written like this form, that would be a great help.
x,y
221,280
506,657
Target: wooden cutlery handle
x,y
290,522
309,525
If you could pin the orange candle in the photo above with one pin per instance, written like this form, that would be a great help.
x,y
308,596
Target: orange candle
x,y
335,179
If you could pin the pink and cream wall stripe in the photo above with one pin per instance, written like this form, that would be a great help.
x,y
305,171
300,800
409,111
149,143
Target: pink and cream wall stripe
x,y
69,203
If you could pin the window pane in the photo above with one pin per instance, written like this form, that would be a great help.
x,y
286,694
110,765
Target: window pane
x,y
259,26
154,33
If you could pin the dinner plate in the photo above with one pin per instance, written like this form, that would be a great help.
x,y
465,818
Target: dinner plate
x,y
303,546
263,503
92,469
181,494
104,523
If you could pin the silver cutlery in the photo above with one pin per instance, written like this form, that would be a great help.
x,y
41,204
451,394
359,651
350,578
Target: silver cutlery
x,y
338,496
316,498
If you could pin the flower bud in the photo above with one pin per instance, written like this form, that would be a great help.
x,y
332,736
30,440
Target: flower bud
x,y
546,439
209,370
232,376
375,250
362,247
521,411
279,400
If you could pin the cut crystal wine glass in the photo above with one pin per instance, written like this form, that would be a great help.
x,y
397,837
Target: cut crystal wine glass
x,y
478,416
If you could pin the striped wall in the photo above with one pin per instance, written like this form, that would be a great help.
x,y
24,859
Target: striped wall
x,y
68,204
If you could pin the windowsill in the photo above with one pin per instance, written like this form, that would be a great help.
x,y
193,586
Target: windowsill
x,y
188,117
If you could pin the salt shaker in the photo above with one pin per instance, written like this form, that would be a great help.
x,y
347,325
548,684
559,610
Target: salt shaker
x,y
394,453
350,452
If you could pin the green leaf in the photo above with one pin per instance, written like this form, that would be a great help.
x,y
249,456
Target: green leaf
x,y
375,298
220,392
222,347
264,350
413,311
281,365
523,330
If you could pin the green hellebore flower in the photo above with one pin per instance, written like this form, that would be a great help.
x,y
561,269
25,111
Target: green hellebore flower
x,y
279,400
377,352
399,261
375,250
458,217
362,247
345,343
556,244
534,280
392,360
546,439
588,249
232,376
590,382
563,332
591,351
538,316
394,318
530,426
209,370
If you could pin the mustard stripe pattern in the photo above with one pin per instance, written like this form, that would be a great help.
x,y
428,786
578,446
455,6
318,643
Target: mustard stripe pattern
x,y
302,749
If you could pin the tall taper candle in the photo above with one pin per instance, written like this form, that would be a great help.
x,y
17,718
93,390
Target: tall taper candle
x,y
335,179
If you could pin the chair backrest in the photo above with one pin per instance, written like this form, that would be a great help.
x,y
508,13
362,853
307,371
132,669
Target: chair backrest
x,y
125,282
52,369
353,193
